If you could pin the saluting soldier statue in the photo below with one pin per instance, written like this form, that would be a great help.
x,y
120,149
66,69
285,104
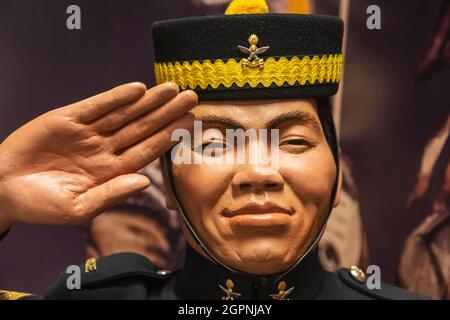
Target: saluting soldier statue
x,y
251,227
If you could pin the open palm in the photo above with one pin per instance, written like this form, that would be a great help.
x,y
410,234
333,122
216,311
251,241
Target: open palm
x,y
73,163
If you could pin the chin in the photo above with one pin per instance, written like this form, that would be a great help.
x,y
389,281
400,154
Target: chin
x,y
264,257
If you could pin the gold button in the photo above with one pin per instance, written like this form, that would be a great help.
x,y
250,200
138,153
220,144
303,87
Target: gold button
x,y
163,272
358,274
90,265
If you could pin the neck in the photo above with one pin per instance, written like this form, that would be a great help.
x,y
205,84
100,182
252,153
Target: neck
x,y
202,278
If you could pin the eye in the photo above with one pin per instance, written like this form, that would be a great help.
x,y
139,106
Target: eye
x,y
214,148
214,144
296,145
296,142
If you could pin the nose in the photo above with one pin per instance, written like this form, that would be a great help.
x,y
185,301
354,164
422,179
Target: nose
x,y
254,179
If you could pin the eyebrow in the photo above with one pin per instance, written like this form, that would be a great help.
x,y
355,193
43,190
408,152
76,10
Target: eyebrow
x,y
301,117
223,121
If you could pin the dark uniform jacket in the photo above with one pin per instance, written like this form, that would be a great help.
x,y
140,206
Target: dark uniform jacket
x,y
132,276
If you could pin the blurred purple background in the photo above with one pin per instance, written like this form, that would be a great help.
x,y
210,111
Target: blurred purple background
x,y
386,118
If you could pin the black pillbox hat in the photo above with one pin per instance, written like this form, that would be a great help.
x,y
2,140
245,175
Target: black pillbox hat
x,y
250,56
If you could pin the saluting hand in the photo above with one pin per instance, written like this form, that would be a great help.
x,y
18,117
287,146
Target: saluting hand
x,y
73,163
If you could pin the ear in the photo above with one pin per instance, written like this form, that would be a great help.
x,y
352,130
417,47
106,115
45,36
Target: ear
x,y
171,203
337,197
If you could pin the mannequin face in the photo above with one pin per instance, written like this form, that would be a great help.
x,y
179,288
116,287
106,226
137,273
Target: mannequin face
x,y
257,218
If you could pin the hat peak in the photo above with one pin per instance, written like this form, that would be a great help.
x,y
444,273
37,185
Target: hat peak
x,y
247,7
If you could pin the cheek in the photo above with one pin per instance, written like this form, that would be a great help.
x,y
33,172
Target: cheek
x,y
201,186
311,176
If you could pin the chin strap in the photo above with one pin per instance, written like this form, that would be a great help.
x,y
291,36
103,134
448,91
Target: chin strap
x,y
197,238
180,209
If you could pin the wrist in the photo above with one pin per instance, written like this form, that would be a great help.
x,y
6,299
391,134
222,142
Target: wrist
x,y
5,221
4,234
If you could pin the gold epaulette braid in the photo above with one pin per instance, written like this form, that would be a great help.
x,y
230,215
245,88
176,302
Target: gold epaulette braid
x,y
279,71
12,295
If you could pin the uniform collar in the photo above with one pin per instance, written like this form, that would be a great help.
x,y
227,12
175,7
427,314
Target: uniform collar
x,y
201,279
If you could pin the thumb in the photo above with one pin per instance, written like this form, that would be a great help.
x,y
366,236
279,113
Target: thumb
x,y
111,193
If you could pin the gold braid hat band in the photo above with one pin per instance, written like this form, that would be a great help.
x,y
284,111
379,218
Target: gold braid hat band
x,y
276,71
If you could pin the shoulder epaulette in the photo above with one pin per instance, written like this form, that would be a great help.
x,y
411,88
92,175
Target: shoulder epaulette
x,y
104,276
13,295
355,278
117,266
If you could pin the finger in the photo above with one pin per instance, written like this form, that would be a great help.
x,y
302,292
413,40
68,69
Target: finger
x,y
141,154
145,126
94,107
109,194
152,99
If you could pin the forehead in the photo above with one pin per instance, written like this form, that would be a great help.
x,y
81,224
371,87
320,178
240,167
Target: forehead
x,y
255,113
